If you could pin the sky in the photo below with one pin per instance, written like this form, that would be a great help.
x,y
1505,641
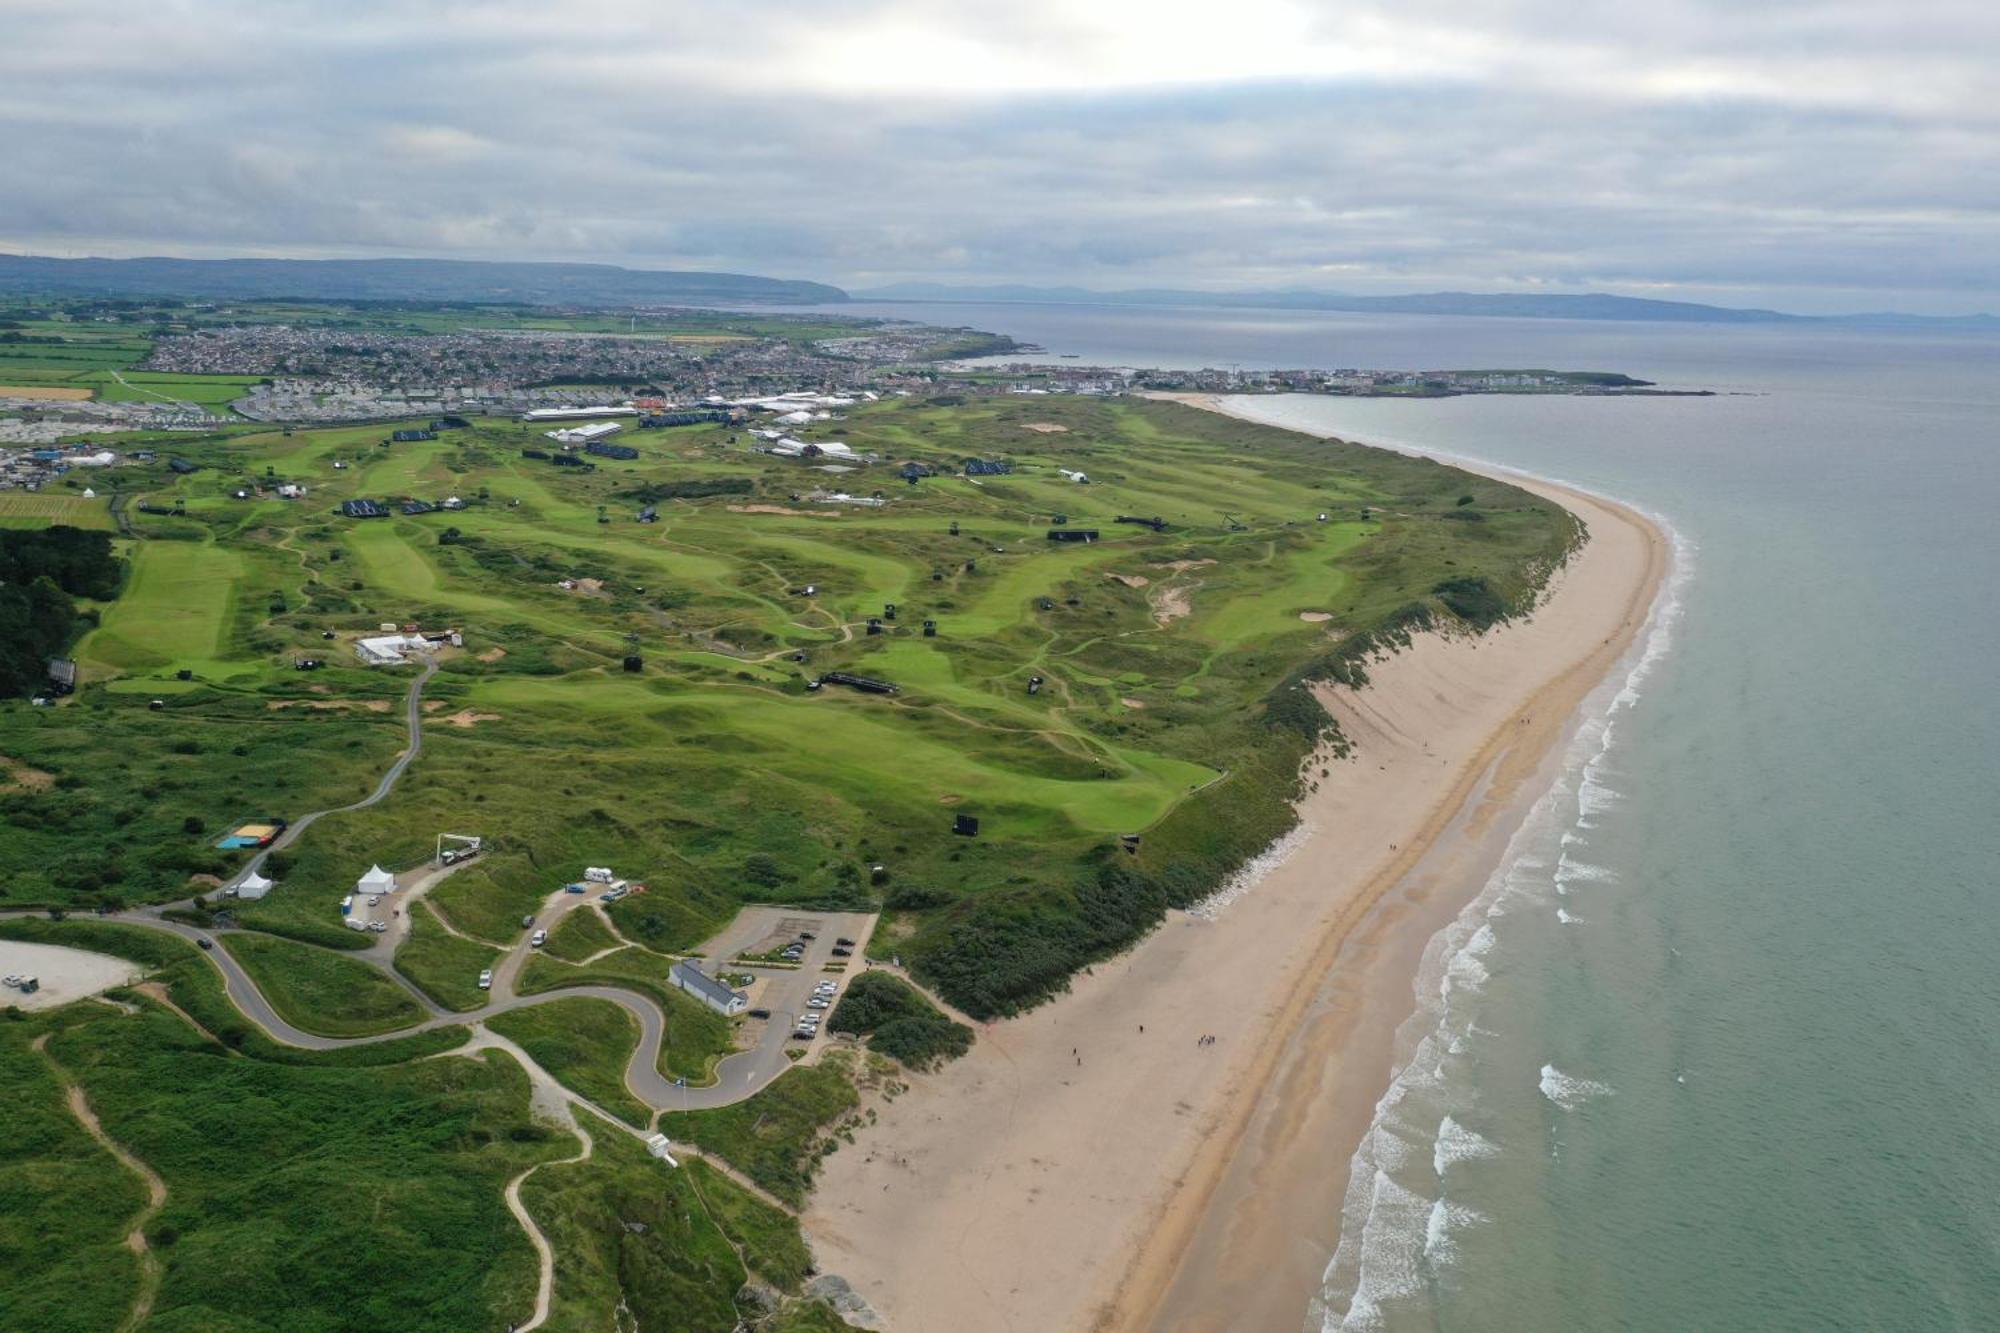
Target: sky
x,y
1811,155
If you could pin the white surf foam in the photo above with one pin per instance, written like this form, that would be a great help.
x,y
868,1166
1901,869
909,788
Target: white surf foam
x,y
1567,1091
1376,1224
1456,1143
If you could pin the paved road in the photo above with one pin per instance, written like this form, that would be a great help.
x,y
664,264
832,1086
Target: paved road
x,y
784,991
413,713
737,1077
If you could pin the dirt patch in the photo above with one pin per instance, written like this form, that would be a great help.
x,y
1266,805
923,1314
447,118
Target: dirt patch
x,y
1129,580
1315,617
331,705
950,800
45,391
1183,566
466,718
1130,702
17,776
205,881
493,654
781,509
1045,428
1170,604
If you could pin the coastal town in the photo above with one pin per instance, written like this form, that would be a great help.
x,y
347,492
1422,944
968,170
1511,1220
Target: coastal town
x,y
196,371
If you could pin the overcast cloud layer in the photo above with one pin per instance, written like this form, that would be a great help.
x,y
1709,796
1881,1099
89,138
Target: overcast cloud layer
x,y
1809,154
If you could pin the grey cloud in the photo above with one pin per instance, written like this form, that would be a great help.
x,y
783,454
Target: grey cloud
x,y
700,137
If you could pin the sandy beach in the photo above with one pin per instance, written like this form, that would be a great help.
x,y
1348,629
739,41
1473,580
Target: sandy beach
x,y
1095,1164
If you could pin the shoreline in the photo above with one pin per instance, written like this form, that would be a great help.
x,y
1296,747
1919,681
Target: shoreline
x,y
1094,1164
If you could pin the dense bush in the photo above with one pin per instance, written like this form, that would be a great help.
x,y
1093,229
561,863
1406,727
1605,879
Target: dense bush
x,y
898,1021
1472,600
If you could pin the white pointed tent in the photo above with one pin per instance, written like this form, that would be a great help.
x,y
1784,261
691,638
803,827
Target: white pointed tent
x,y
377,880
252,885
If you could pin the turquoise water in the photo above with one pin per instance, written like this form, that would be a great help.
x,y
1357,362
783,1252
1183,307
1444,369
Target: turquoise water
x,y
1717,1049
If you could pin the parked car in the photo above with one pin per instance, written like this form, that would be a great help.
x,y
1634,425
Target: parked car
x,y
538,939
575,888
486,979
379,927
760,1013
818,1002
374,900
844,942
807,935
527,921
839,952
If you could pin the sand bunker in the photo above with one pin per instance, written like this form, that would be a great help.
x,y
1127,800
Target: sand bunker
x,y
1045,427
1130,580
1315,617
1170,604
1183,566
1130,702
780,509
331,705
493,654
466,718
64,974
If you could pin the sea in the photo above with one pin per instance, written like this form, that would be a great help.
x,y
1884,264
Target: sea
x,y
1718,1047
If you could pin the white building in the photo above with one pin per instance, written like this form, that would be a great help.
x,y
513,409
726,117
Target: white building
x,y
723,999
577,413
390,649
596,430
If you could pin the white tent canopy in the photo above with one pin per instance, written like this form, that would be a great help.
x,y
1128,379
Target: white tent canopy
x,y
253,885
377,880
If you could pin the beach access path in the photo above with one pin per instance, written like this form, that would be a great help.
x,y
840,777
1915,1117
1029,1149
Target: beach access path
x,y
1165,1146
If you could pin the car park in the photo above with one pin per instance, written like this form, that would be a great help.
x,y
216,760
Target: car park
x,y
486,979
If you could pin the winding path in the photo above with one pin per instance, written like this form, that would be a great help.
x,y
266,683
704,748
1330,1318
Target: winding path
x,y
156,1190
413,711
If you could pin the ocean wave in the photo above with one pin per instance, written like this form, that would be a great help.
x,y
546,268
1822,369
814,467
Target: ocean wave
x,y
1383,1235
1569,1092
1565,917
1456,1143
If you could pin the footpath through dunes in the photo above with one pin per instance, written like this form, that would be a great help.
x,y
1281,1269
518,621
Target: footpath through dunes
x,y
1165,1146
156,1189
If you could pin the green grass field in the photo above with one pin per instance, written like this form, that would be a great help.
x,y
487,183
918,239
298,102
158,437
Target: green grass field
x,y
1168,705
42,509
586,1044
1167,660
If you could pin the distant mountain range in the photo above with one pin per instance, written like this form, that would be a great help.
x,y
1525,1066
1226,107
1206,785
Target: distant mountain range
x,y
1591,305
399,280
